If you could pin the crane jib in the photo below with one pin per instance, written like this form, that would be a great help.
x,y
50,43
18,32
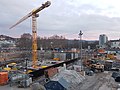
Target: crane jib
x,y
35,11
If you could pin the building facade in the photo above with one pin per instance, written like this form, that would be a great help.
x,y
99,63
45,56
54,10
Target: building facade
x,y
103,39
7,42
115,43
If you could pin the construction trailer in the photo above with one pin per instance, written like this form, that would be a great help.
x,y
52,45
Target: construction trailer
x,y
65,55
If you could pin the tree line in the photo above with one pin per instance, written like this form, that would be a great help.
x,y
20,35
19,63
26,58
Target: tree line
x,y
52,43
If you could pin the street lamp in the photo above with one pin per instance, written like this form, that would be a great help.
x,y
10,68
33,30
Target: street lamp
x,y
51,44
80,36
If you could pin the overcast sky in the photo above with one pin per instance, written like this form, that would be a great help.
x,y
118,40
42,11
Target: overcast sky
x,y
63,17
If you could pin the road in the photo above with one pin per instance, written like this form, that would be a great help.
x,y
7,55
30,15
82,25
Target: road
x,y
99,81
7,87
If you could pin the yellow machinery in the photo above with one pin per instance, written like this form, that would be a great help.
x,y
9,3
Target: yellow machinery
x,y
56,59
7,69
97,66
34,14
93,65
111,56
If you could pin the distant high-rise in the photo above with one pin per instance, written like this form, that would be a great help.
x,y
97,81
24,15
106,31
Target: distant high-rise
x,y
103,39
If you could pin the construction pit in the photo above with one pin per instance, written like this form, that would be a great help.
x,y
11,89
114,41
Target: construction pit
x,y
96,81
49,72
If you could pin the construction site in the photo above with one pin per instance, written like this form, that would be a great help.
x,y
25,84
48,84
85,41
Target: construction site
x,y
74,69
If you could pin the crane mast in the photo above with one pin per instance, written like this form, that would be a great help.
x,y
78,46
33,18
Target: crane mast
x,y
34,15
34,39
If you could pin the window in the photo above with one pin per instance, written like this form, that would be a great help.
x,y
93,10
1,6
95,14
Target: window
x,y
119,44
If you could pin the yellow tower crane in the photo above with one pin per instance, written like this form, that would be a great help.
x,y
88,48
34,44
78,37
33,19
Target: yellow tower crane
x,y
34,14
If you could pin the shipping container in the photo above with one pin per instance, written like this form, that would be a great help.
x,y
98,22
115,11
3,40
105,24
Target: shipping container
x,y
51,72
65,55
68,55
3,78
62,56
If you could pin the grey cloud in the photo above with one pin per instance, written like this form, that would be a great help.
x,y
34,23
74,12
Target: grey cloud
x,y
87,7
59,18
